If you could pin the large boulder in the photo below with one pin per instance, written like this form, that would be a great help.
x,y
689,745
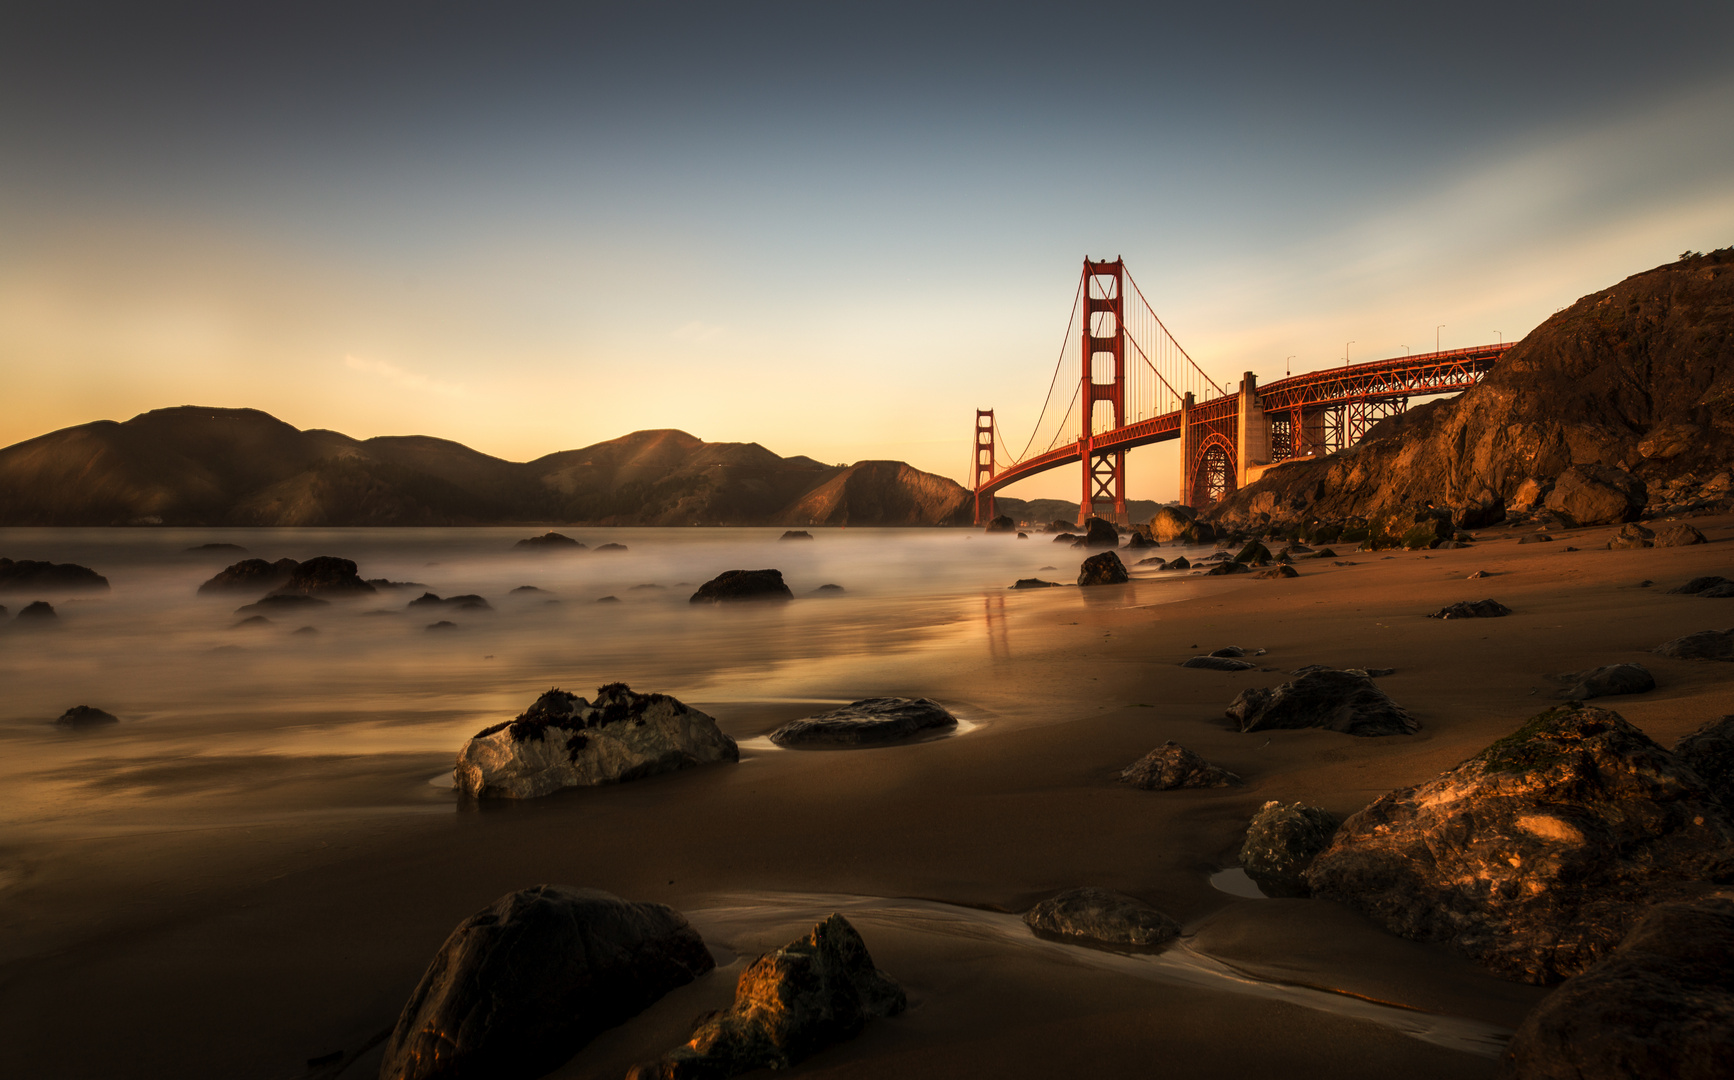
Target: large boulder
x,y
789,1004
1537,855
1345,701
735,585
524,984
251,576
868,722
1661,1006
1710,753
1099,533
1703,645
1102,917
1679,534
1667,441
1171,766
563,741
1171,523
325,575
1103,569
1281,842
29,575
1597,495
1002,524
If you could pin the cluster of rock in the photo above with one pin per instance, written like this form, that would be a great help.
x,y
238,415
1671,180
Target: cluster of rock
x,y
1677,534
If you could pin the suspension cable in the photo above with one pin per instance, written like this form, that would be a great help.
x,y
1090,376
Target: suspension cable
x,y
1055,381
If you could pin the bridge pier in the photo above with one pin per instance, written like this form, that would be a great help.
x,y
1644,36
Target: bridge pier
x,y
1252,432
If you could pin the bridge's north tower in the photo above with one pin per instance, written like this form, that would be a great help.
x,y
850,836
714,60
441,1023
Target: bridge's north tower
x,y
1103,382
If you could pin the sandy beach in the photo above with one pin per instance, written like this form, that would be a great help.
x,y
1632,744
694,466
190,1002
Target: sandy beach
x,y
266,914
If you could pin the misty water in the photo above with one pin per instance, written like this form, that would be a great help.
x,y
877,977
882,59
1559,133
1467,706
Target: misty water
x,y
209,705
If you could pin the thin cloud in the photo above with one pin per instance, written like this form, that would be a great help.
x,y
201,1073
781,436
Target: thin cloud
x,y
397,376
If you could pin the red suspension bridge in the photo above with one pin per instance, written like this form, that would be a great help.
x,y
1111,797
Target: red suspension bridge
x,y
1137,386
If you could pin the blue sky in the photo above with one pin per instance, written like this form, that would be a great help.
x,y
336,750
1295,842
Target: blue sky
x,y
832,229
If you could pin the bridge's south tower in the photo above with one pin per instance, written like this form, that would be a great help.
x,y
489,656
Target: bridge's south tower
x,y
1103,389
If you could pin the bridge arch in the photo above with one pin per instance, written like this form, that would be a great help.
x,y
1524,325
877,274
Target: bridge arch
x,y
1214,470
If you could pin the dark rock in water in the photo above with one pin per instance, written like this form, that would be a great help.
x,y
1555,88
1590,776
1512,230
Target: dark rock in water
x,y
733,585
526,589
1099,533
829,590
563,741
1178,563
1661,1006
1477,609
443,624
1154,560
1678,534
1172,766
227,549
1536,856
612,547
29,575
86,716
1607,681
1631,535
520,987
1222,569
1229,650
868,722
387,583
1219,663
251,576
1597,495
1703,645
1103,569
465,602
282,602
1371,673
1101,916
1279,572
1002,524
1139,540
1047,568
253,620
802,534
37,611
1034,583
789,1004
1699,585
304,631
1710,753
606,600
1281,842
1023,536
1345,701
325,575
1719,592
1324,553
550,541
1536,538
1067,538
1254,554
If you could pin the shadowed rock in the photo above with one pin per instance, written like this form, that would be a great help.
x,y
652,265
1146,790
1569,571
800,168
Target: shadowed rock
x,y
1536,856
325,575
1703,645
1631,535
1536,538
1476,609
1700,585
1661,1006
1153,560
868,722
1281,842
1179,563
86,716
1710,753
1213,662
251,576
550,541
802,534
1345,701
443,625
29,575
829,590
1253,554
520,987
736,585
1678,534
1278,572
1099,533
1171,766
789,1004
1597,495
40,612
282,603
1103,569
1223,569
1101,917
1034,583
216,549
563,741
1067,538
1002,524
612,547
1608,681
465,602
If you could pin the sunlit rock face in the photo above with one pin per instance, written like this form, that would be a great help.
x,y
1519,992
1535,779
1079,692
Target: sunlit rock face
x,y
1536,856
521,986
565,741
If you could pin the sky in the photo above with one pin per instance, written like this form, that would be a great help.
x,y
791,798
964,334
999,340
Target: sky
x,y
832,229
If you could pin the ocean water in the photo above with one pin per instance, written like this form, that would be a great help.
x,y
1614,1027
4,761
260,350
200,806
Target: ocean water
x,y
209,704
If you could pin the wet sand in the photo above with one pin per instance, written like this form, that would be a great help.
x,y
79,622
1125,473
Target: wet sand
x,y
268,912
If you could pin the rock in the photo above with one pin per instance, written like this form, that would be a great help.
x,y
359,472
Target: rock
x,y
563,741
253,621
1597,495
1536,538
387,583
1100,533
521,986
1154,560
1101,916
1669,441
522,589
1371,673
1478,575
226,549
304,631
1067,538
1034,583
443,624
1232,650
1281,842
1479,513
1172,766
606,600
1477,609
1535,856
282,602
1002,524
1710,753
1530,495
1103,569
1023,536
735,585
86,716
1631,535
37,611
1607,681
612,547
1425,534
325,575
1178,563
1344,701
29,575
1719,592
1138,541
466,602
1254,553
1219,663
1678,534
802,534
868,722
1324,553
550,541
1661,1006
1700,585
1223,569
1171,523
1279,572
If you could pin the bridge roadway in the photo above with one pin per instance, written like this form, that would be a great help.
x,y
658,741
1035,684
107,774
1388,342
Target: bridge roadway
x,y
1229,441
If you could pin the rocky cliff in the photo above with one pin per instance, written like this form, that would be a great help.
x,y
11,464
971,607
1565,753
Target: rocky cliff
x,y
1637,377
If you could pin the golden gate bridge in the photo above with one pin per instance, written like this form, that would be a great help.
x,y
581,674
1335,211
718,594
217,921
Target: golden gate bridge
x,y
1138,386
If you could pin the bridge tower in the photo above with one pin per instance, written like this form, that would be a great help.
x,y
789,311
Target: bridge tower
x,y
1103,379
983,465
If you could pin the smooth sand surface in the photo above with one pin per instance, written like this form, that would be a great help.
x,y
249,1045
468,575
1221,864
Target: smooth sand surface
x,y
266,916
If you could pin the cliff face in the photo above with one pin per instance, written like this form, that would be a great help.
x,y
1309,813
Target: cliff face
x,y
207,466
1639,377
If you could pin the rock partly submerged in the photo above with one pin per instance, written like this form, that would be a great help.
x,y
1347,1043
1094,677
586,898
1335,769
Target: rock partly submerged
x,y
80,716
550,541
30,575
1101,917
521,986
564,741
867,722
1336,700
1536,856
1171,766
1103,569
250,575
732,586
1281,842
